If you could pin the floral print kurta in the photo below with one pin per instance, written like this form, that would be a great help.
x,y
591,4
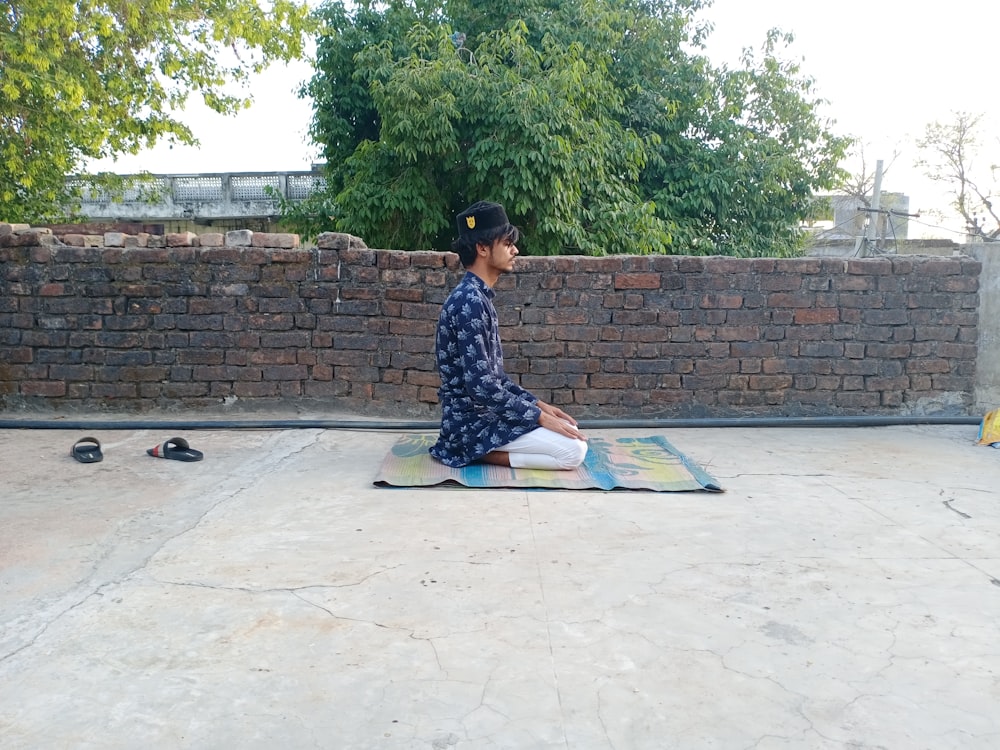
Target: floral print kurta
x,y
481,407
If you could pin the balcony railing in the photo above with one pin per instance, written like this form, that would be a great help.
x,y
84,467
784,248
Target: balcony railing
x,y
196,196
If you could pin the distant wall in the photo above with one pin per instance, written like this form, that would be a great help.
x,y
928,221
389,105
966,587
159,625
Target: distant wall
x,y
221,320
845,248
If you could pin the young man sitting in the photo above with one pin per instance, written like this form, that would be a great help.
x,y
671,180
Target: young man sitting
x,y
485,415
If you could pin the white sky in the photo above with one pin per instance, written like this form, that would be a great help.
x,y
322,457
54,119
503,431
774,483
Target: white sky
x,y
887,68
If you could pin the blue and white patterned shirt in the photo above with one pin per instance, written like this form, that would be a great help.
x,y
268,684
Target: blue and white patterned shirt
x,y
481,407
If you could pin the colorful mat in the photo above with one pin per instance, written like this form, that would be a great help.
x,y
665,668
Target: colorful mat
x,y
643,463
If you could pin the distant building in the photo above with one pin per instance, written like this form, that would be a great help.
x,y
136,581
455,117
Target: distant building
x,y
161,204
844,217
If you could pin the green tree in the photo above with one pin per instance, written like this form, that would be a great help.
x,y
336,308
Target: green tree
x,y
592,121
87,79
953,154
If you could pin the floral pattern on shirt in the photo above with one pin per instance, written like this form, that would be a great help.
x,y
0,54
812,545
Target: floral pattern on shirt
x,y
482,409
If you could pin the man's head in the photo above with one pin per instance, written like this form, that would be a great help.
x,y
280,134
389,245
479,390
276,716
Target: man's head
x,y
482,224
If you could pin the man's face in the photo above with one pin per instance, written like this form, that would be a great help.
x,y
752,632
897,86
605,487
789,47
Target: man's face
x,y
500,256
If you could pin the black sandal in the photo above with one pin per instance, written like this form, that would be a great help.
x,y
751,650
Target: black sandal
x,y
87,450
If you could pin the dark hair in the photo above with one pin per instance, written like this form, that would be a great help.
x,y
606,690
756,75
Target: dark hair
x,y
465,245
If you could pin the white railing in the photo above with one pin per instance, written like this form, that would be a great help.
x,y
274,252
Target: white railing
x,y
184,196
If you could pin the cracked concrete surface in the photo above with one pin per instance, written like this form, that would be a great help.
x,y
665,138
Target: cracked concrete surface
x,y
844,592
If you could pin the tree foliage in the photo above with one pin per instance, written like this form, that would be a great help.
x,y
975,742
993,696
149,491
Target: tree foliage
x,y
953,154
87,79
593,122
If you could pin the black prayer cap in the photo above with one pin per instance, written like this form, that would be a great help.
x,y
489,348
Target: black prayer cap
x,y
480,217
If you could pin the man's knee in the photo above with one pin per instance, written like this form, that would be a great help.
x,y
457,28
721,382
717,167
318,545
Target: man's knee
x,y
572,454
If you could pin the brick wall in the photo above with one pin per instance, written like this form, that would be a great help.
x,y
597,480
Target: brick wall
x,y
125,322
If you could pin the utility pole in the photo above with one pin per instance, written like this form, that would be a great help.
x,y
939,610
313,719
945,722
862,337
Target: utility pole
x,y
874,214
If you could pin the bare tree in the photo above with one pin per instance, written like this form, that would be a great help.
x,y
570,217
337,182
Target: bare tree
x,y
860,183
952,154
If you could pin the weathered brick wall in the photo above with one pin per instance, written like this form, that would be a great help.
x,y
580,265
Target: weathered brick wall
x,y
134,323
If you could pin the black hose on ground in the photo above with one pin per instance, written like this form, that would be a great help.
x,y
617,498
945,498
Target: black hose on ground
x,y
399,425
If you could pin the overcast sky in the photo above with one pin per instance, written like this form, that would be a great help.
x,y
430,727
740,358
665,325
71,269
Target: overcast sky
x,y
887,68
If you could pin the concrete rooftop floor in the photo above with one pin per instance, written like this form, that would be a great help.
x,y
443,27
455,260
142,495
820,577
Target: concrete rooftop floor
x,y
844,592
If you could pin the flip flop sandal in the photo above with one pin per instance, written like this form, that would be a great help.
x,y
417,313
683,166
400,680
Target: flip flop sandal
x,y
177,449
87,450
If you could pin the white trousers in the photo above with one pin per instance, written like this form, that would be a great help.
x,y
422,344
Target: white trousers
x,y
544,449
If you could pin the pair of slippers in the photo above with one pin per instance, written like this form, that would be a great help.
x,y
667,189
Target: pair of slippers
x,y
88,450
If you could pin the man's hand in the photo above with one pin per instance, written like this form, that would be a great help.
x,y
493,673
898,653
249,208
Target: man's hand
x,y
555,419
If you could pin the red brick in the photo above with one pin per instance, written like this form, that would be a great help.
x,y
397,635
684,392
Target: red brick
x,y
48,389
637,281
819,315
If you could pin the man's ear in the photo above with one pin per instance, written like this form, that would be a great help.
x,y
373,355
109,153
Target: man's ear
x,y
482,249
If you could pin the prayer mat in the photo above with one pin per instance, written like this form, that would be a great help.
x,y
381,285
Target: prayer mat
x,y
639,463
